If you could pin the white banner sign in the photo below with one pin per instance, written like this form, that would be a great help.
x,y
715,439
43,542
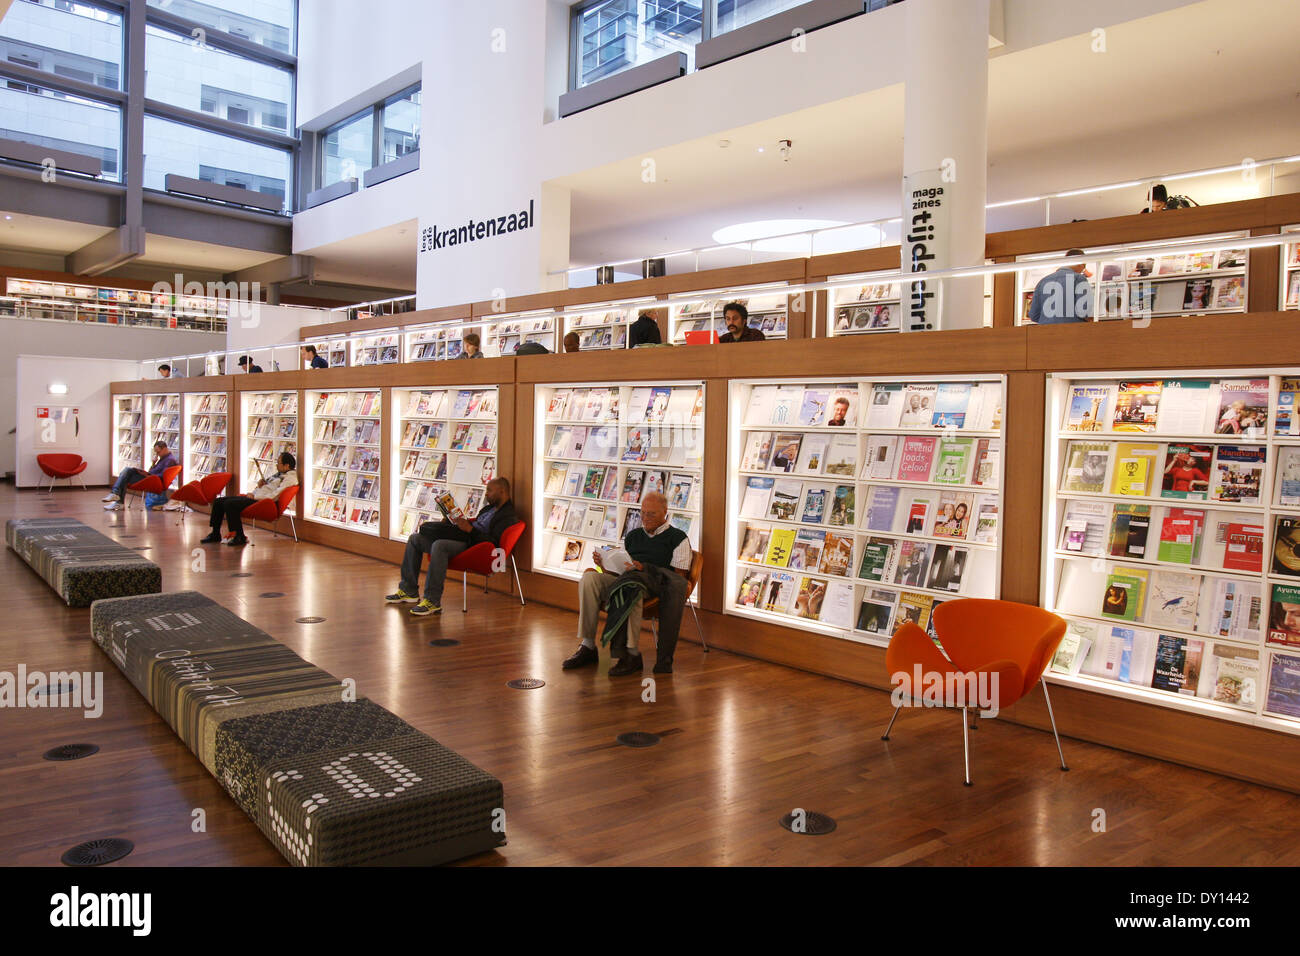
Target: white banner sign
x,y
925,226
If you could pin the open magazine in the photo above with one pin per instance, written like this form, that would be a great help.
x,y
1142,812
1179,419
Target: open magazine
x,y
615,560
446,503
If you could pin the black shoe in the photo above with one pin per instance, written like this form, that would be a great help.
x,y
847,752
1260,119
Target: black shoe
x,y
238,541
663,667
631,664
213,538
582,657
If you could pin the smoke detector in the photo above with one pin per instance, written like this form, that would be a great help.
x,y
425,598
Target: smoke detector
x,y
784,146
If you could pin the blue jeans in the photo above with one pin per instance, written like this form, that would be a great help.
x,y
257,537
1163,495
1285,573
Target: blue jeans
x,y
440,552
129,476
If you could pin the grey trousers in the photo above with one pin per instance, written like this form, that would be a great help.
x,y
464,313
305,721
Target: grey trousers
x,y
440,553
593,590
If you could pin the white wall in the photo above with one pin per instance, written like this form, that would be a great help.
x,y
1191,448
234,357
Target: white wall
x,y
88,380
30,337
255,324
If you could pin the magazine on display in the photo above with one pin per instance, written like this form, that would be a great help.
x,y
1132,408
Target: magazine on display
x,y
1283,685
918,403
952,465
1235,608
1129,527
1286,546
842,456
880,463
1185,407
1288,476
1173,600
1180,536
1084,527
916,458
1177,664
812,455
758,451
843,507
1284,615
1086,464
951,403
785,451
1243,408
1088,408
1238,473
1134,469
882,508
1243,545
886,406
1287,423
1136,407
878,560
1187,471
1125,593
1074,647
876,612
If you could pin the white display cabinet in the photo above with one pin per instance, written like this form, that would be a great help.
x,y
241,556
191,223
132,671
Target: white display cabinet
x,y
164,423
444,440
334,349
343,467
873,306
855,504
600,448
1171,538
600,330
769,312
270,428
1289,294
128,447
435,343
1155,279
207,434
379,348
502,336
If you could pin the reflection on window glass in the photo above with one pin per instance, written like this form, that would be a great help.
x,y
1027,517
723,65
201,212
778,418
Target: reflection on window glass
x,y
268,23
401,125
187,151
43,117
74,40
185,73
615,35
347,149
733,14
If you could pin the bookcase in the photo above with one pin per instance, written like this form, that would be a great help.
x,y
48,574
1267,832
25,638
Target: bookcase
x,y
768,312
1155,282
873,306
1290,292
432,343
333,349
605,329
270,428
207,434
1171,538
856,504
378,349
128,449
164,422
504,336
600,448
342,469
445,440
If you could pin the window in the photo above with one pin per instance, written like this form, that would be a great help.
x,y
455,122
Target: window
x,y
42,117
181,71
733,14
77,40
268,23
347,150
401,125
611,36
171,147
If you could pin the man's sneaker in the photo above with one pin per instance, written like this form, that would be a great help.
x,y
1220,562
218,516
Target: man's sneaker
x,y
631,664
582,657
174,506
109,497
115,506
426,607
401,597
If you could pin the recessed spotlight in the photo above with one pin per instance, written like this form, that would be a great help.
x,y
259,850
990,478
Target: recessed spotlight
x,y
723,143
8,217
760,149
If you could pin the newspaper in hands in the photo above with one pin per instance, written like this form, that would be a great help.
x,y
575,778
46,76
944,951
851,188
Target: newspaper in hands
x,y
615,560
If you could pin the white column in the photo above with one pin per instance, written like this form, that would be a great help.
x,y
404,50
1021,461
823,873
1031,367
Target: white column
x,y
945,153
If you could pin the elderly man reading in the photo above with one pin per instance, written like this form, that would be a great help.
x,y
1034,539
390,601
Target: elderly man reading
x,y
658,552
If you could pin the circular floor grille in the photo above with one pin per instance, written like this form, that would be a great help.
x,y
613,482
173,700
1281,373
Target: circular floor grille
x,y
57,689
813,824
445,642
526,683
638,738
308,620
242,574
141,548
271,594
97,852
71,752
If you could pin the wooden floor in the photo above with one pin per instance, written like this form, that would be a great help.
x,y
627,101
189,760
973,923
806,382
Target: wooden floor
x,y
744,742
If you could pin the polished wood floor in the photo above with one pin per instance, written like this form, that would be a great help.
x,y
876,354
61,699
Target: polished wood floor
x,y
743,741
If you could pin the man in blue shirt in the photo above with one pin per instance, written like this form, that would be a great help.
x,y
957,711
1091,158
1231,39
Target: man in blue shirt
x,y
163,459
1063,296
443,540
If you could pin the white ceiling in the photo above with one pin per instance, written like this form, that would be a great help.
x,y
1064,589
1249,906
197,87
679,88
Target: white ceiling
x,y
384,258
24,233
210,257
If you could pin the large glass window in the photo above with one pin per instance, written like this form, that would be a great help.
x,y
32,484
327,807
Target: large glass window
x,y
401,124
733,14
76,40
268,23
347,150
171,147
31,114
614,35
183,72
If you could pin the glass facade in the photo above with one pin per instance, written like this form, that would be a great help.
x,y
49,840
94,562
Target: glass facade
x,y
347,150
268,23
611,36
78,41
377,135
171,147
42,117
401,125
733,14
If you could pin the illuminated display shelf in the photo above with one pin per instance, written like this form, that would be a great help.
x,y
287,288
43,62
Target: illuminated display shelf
x,y
163,423
600,330
344,434
769,312
207,436
128,449
270,427
1289,295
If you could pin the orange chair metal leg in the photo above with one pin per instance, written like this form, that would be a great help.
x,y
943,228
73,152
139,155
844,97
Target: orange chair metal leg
x,y
965,743
1052,717
885,735
517,583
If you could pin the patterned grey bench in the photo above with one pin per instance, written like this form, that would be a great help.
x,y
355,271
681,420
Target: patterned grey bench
x,y
81,564
330,782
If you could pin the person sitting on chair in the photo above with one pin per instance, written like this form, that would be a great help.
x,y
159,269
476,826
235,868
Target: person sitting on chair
x,y
443,540
656,548
163,459
231,507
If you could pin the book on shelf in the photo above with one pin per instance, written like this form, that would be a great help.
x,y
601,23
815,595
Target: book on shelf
x,y
1284,615
986,520
1135,465
837,554
952,518
947,565
916,458
753,546
876,612
1129,527
1288,476
1180,536
806,552
886,406
780,593
952,401
1125,593
843,507
785,451
917,406
758,451
837,605
1238,473
1187,471
1074,647
880,463
1086,464
1243,407
812,455
1177,664
915,608
780,545
1173,600
814,504
882,507
1243,546
1136,407
1283,685
912,563
952,465
1286,546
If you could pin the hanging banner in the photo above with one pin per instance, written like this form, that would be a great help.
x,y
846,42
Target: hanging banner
x,y
925,248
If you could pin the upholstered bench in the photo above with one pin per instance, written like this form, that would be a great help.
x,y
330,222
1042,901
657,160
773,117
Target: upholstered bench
x,y
81,564
329,781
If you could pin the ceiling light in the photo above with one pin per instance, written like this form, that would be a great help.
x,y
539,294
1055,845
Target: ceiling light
x,y
760,149
57,388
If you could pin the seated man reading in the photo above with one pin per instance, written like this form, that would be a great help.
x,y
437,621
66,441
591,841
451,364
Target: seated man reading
x,y
231,507
163,459
661,558
443,540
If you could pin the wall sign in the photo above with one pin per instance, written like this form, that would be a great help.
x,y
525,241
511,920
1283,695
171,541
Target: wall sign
x,y
58,426
432,238
925,246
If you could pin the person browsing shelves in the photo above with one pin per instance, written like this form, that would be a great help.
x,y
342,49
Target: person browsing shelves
x,y
657,549
470,346
231,507
162,460
572,343
1063,296
312,359
737,318
443,540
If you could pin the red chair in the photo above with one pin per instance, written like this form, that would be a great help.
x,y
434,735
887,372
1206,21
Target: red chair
x,y
203,491
272,509
61,466
152,484
479,559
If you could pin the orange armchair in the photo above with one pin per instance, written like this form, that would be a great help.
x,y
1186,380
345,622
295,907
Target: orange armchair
x,y
478,559
153,485
996,651
59,465
272,509
203,491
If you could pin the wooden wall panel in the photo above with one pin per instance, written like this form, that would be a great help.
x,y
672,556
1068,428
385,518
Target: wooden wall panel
x,y
1005,306
713,532
447,313
1263,275
1022,497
